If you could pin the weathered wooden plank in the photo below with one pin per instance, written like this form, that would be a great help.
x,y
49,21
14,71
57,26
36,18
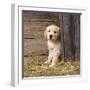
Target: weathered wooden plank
x,y
77,37
35,47
36,14
61,35
68,37
71,24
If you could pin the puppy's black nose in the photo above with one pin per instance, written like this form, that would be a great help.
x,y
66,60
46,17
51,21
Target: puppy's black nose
x,y
50,36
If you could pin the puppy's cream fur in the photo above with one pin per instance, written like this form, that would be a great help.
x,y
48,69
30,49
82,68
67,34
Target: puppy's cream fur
x,y
52,34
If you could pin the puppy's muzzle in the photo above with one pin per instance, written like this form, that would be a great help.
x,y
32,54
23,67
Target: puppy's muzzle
x,y
51,36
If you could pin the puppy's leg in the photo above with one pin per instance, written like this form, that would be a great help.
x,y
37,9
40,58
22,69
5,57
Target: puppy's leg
x,y
49,59
54,61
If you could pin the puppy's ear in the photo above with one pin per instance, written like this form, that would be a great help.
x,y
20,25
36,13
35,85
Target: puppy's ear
x,y
45,34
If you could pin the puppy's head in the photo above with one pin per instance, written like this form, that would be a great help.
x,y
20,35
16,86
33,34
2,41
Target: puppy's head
x,y
52,32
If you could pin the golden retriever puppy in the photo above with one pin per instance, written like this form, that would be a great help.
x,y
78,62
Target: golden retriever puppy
x,y
52,34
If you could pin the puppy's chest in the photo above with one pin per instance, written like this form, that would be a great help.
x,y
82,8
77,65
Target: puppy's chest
x,y
53,46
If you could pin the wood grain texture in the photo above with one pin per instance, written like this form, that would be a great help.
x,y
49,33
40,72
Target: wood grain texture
x,y
68,46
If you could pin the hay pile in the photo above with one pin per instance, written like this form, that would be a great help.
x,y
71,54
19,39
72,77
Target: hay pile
x,y
34,66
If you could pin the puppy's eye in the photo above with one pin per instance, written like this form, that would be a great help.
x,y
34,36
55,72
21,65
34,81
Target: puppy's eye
x,y
49,31
54,31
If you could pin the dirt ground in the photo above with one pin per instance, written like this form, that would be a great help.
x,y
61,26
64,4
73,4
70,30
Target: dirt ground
x,y
34,67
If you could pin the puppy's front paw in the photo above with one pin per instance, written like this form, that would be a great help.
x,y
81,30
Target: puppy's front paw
x,y
52,65
46,62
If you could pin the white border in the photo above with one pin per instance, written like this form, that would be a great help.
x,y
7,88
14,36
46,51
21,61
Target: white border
x,y
16,74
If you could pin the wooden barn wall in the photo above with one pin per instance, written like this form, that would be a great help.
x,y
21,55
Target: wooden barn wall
x,y
35,24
